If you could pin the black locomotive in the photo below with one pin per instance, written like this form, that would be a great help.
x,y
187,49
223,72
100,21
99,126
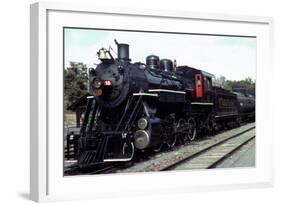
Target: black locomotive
x,y
137,106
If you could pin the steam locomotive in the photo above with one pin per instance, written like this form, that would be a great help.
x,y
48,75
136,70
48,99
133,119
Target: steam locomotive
x,y
135,106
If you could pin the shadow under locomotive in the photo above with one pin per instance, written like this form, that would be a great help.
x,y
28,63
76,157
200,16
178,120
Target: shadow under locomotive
x,y
136,106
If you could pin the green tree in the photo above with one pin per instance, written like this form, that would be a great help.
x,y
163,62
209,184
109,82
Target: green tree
x,y
220,81
75,82
247,84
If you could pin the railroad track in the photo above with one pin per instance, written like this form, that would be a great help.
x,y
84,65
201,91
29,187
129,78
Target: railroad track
x,y
214,154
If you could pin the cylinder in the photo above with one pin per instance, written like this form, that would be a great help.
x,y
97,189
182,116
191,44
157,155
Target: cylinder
x,y
123,51
166,65
152,61
141,139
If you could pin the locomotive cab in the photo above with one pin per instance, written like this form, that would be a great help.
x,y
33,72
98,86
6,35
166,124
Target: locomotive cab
x,y
197,82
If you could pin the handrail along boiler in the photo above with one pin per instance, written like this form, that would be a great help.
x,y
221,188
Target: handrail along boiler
x,y
137,106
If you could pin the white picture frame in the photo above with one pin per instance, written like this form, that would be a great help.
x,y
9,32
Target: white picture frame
x,y
47,182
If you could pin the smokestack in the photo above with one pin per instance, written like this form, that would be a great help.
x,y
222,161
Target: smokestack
x,y
123,51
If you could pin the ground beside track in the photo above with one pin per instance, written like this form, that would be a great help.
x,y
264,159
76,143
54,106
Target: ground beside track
x,y
244,157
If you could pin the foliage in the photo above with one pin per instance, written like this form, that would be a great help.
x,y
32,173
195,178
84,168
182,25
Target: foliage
x,y
247,84
75,82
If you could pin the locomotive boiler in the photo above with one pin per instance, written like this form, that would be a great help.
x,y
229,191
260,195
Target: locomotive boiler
x,y
139,106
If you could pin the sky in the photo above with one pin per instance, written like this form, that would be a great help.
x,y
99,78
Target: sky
x,y
232,57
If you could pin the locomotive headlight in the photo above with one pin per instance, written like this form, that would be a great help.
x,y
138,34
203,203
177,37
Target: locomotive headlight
x,y
97,83
142,123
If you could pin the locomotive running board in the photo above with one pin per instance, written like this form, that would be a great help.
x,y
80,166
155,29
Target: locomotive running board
x,y
165,90
121,159
220,116
201,103
145,94
118,160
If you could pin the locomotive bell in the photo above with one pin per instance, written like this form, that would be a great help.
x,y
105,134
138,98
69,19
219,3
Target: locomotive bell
x,y
103,54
